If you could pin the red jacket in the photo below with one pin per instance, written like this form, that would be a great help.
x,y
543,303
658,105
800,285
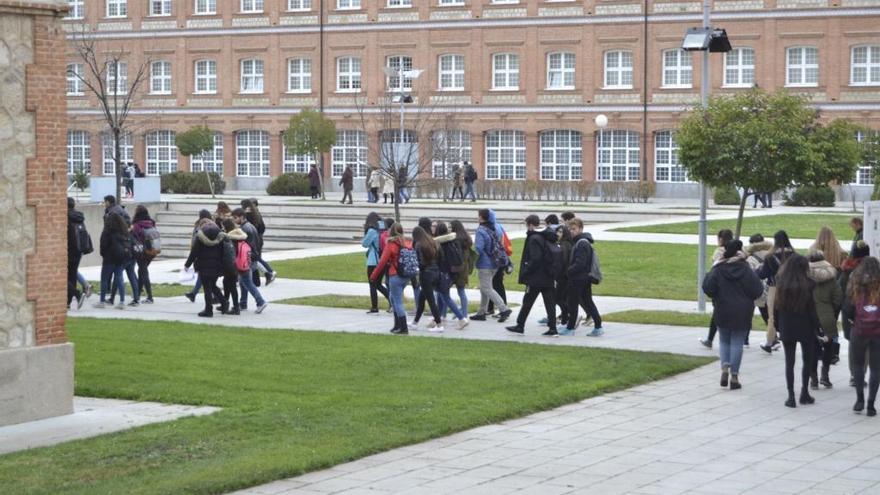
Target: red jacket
x,y
390,255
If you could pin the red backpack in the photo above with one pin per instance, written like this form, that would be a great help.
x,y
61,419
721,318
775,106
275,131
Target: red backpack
x,y
243,257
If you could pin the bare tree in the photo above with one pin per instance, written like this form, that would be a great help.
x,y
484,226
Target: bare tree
x,y
447,148
106,76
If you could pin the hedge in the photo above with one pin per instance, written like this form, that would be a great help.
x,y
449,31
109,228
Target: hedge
x,y
726,195
192,183
811,196
292,184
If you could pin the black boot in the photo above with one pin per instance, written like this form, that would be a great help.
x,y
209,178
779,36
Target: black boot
x,y
835,353
401,326
825,380
806,398
790,402
396,324
814,380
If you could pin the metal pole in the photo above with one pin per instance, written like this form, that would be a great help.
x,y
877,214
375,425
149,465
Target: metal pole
x,y
701,252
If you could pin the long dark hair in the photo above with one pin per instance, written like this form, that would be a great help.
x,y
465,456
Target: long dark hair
x,y
115,224
372,221
794,289
426,245
256,217
141,213
441,228
780,241
461,234
864,282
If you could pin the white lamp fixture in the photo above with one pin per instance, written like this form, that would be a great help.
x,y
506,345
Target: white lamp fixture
x,y
601,121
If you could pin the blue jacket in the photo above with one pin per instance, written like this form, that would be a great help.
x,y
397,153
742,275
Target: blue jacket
x,y
482,241
371,242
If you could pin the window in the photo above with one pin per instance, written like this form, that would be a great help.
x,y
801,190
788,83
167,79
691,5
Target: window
x,y
108,152
561,155
618,155
117,8
160,7
666,165
399,63
503,2
865,68
560,71
77,9
160,78
618,70
296,163
350,149
78,152
74,79
348,4
117,83
865,173
447,3
677,69
802,66
206,7
505,71
299,5
299,75
206,76
739,68
348,74
451,73
450,148
211,160
505,155
252,153
161,153
251,6
399,3
252,76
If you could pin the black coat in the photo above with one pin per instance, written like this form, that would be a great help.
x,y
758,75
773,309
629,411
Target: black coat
x,y
581,259
733,287
116,247
797,326
772,264
74,218
535,269
207,252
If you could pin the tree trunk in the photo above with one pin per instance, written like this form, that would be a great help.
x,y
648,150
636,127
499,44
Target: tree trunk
x,y
739,217
852,194
397,201
117,162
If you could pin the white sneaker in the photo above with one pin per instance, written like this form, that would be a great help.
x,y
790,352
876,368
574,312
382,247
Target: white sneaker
x,y
462,323
261,307
120,306
436,329
99,305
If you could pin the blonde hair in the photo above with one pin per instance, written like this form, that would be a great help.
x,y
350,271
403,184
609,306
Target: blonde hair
x,y
576,222
827,242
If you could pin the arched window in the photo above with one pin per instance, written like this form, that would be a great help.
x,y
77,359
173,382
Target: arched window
x,y
865,66
350,149
252,153
677,69
211,160
617,155
505,154
450,148
505,71
739,68
561,155
802,66
108,152
161,153
398,63
560,70
618,69
666,165
79,154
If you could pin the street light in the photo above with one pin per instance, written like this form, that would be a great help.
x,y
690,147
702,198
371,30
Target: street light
x,y
402,97
704,39
601,121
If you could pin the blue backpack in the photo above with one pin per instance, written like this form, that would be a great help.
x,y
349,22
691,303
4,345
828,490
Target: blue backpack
x,y
407,263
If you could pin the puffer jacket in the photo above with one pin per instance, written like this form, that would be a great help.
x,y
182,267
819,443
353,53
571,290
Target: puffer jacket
x,y
207,252
581,259
733,287
827,295
757,253
535,269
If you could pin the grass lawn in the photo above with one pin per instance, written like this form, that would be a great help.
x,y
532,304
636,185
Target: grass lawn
x,y
631,269
159,290
671,318
797,226
298,401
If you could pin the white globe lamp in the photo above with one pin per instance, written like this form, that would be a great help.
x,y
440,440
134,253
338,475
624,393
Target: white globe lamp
x,y
601,121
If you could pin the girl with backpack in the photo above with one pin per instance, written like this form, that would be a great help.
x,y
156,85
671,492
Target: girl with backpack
x,y
828,297
466,245
398,279
207,255
252,213
429,276
372,228
864,294
782,250
234,236
144,231
451,262
859,253
116,253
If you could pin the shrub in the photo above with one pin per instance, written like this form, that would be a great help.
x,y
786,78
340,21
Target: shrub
x,y
80,179
292,184
192,183
811,196
876,194
727,195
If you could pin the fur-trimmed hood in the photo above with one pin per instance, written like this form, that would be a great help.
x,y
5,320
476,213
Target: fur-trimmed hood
x,y
445,238
210,236
236,234
758,247
822,271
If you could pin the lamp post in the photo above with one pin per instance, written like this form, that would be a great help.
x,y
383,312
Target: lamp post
x,y
706,40
403,97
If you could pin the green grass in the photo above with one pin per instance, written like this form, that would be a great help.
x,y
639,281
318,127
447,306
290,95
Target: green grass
x,y
159,290
298,401
671,318
797,226
630,269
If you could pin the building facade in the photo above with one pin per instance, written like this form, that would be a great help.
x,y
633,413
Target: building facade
x,y
522,80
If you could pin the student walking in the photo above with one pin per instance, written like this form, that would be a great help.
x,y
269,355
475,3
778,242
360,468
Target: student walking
x,y
724,236
491,258
79,243
470,177
375,182
145,233
798,322
537,272
500,272
314,182
234,237
757,251
857,226
429,276
372,229
457,182
347,183
828,298
207,255
205,218
116,253
398,274
827,242
733,287
387,189
782,251
246,279
581,279
253,215
856,257
864,345
451,261
461,279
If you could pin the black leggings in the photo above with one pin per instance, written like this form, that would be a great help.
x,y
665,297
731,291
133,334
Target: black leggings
x,y
209,286
144,276
230,288
498,285
73,260
808,349
429,278
375,288
858,348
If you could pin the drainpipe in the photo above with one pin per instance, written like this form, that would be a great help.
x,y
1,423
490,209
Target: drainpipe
x,y
644,175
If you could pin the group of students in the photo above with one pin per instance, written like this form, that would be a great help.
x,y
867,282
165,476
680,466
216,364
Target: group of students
x,y
800,298
558,262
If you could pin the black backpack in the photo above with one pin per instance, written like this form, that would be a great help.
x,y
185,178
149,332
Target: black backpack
x,y
121,248
82,239
553,260
453,257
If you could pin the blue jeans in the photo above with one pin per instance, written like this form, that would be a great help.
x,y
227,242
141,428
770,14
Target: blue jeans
x,y
731,348
133,280
404,194
246,281
469,191
444,301
116,271
396,286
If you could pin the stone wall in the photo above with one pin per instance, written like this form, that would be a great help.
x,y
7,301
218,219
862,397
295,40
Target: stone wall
x,y
36,362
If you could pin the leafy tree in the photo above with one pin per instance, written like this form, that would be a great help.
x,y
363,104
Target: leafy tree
x,y
759,141
196,141
840,154
311,133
